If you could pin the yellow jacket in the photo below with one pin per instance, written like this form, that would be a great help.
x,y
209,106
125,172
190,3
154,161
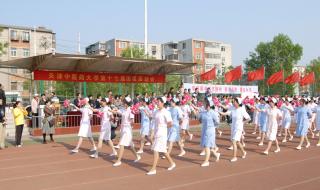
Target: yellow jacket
x,y
18,114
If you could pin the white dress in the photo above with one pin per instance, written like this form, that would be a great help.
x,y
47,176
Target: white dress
x,y
272,123
105,131
85,126
126,129
185,113
237,115
161,117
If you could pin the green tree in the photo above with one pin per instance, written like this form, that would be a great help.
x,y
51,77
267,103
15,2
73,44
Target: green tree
x,y
280,53
3,45
315,67
133,52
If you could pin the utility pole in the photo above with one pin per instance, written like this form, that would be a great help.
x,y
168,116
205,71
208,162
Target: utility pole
x,y
146,28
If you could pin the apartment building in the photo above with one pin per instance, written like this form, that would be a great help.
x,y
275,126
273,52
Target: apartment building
x,y
207,54
98,48
22,42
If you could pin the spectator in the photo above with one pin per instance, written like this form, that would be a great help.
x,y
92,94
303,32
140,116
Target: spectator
x,y
97,102
43,99
3,96
76,101
91,101
18,114
54,98
34,109
2,125
136,99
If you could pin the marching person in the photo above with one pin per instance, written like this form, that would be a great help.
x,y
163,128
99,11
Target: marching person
x,y
145,123
18,114
85,126
237,113
105,132
286,109
186,111
163,120
303,123
209,120
127,119
316,110
263,118
274,115
48,122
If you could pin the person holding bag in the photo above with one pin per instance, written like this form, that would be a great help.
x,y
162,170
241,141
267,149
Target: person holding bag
x,y
48,122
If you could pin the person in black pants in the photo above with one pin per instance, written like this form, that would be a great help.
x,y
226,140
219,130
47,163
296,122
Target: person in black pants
x,y
19,113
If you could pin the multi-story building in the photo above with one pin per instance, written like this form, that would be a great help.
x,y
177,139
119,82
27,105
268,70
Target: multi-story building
x,y
98,48
207,54
22,42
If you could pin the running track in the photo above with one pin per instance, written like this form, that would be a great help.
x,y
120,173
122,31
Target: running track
x,y
51,167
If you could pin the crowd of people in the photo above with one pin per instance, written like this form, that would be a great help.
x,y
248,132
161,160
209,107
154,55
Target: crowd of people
x,y
165,122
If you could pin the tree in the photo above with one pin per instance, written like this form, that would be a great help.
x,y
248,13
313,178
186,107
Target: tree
x,y
315,67
3,45
280,53
133,52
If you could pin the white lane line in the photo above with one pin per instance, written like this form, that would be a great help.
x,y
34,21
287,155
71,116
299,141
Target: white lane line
x,y
298,183
239,173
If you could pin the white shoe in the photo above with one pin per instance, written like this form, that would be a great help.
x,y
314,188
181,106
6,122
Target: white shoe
x,y
258,138
308,145
205,164
284,140
244,155
117,164
216,148
182,153
317,134
140,152
244,145
74,151
191,136
113,154
163,157
138,158
218,157
19,146
220,133
154,172
117,146
172,167
230,148
260,144
202,153
290,139
265,152
278,150
279,135
233,160
93,149
298,148
95,155
253,133
148,144
318,144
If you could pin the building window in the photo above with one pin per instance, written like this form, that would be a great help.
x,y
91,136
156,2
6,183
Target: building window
x,y
14,86
14,35
198,44
216,56
183,45
25,36
223,48
198,56
26,52
13,70
13,52
102,46
223,59
122,45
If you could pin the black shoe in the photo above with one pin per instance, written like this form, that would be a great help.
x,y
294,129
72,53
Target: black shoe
x,y
44,142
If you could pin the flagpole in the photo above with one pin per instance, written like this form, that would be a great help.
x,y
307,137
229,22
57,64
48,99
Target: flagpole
x,y
284,84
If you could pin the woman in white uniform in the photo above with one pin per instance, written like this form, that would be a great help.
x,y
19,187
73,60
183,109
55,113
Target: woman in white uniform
x,y
186,111
145,124
274,115
237,113
163,120
105,131
286,109
255,117
126,131
85,126
316,110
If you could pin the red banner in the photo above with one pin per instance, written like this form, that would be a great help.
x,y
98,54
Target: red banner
x,y
210,75
293,78
256,75
97,77
233,75
275,78
308,79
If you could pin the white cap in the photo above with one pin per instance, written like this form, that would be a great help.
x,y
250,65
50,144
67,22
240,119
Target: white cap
x,y
164,99
107,100
128,99
35,95
274,100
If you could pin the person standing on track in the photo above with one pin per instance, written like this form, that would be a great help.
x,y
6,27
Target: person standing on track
x,y
186,111
238,114
286,109
209,120
263,119
303,123
163,120
145,123
127,119
316,110
274,115
85,125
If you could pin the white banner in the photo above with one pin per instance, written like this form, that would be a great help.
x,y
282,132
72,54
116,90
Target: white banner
x,y
222,89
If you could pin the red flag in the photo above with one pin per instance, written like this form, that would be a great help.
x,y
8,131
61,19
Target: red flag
x,y
308,79
256,75
209,75
275,78
293,78
233,75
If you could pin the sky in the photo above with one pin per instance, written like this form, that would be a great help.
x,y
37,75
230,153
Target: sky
x,y
241,23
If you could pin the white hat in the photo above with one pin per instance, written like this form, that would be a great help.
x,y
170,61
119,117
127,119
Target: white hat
x,y
107,100
274,100
36,95
175,100
266,98
290,99
164,99
86,99
128,99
